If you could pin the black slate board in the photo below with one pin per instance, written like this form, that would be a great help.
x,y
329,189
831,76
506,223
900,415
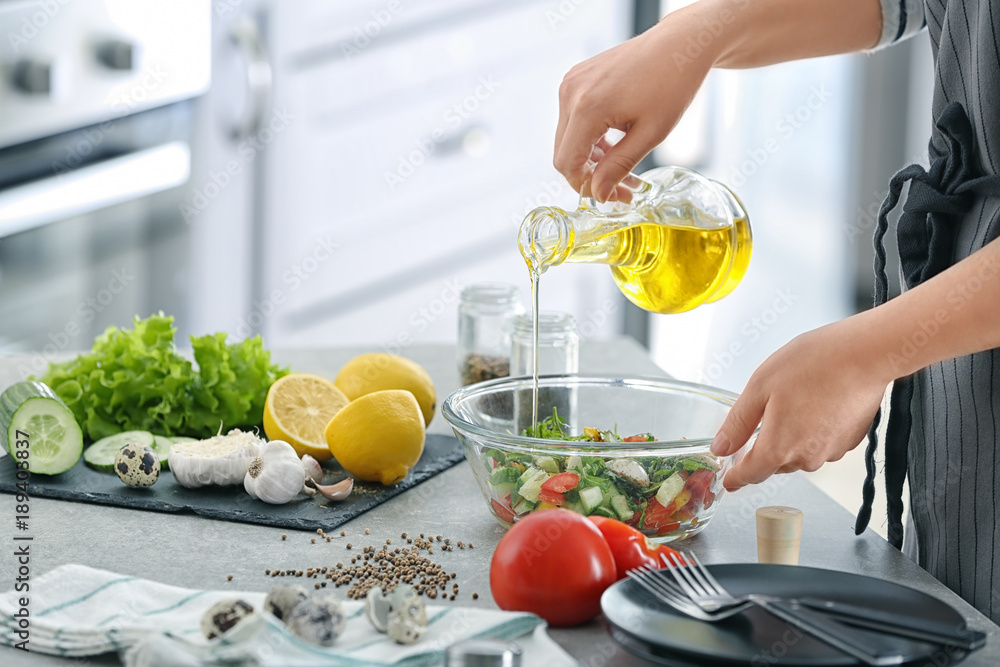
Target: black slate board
x,y
82,483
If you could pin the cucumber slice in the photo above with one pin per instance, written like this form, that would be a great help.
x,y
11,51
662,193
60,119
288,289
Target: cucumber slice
x,y
55,440
101,454
161,445
591,498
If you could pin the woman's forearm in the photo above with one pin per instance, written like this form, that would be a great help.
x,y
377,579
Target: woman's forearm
x,y
753,33
953,314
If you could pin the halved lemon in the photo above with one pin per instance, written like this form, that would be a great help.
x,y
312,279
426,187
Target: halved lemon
x,y
297,410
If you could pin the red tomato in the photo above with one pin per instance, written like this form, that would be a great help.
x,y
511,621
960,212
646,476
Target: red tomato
x,y
550,497
698,483
561,483
629,547
709,499
636,438
555,564
659,518
667,527
502,509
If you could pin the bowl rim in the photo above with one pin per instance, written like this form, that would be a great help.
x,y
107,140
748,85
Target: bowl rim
x,y
526,443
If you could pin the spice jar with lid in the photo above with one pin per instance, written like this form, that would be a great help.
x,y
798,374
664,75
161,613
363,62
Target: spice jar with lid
x,y
484,330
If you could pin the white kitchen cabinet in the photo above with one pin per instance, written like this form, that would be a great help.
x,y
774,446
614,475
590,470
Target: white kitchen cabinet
x,y
399,169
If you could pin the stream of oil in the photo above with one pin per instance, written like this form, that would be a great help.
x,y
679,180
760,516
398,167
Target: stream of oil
x,y
534,342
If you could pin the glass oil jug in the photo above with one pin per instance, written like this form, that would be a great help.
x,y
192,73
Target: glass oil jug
x,y
683,240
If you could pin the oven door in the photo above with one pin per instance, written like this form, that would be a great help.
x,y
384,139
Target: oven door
x,y
91,230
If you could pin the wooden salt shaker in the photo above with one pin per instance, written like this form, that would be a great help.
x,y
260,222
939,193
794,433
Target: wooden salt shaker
x,y
779,534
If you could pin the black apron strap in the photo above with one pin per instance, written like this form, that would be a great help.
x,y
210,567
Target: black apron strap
x,y
937,201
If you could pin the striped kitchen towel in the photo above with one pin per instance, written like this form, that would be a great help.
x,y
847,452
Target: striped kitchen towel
x,y
77,611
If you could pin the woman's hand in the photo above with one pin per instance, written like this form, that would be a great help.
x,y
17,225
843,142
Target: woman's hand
x,y
640,87
814,399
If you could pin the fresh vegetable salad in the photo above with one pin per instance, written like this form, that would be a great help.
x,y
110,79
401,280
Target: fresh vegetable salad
x,y
657,494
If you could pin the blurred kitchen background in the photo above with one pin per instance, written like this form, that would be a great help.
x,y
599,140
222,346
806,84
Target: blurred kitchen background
x,y
333,173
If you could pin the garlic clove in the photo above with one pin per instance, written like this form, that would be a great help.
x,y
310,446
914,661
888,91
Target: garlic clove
x,y
339,491
312,468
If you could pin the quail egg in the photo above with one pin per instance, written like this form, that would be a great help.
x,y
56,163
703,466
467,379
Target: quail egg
x,y
318,620
282,599
137,465
400,614
223,616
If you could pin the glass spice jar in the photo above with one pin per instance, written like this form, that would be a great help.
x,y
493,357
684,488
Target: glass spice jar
x,y
558,354
485,312
558,345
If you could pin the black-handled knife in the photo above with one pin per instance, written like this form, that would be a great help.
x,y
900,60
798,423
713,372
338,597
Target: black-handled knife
x,y
896,624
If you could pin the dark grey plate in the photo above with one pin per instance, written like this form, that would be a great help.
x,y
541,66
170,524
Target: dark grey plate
x,y
83,484
653,630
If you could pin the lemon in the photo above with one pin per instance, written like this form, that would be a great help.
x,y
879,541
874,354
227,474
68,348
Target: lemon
x,y
379,436
378,372
297,409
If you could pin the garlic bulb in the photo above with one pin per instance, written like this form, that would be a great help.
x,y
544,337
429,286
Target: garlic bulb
x,y
221,460
276,476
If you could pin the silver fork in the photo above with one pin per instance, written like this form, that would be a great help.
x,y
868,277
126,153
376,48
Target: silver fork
x,y
696,586
713,598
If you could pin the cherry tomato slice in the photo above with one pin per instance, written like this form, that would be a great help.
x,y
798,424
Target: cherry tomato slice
x,y
699,483
636,438
552,497
561,483
658,517
667,527
503,510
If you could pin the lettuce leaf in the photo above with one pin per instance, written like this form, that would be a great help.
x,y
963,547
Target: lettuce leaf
x,y
136,380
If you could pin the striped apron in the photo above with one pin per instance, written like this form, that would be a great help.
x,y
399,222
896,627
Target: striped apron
x,y
944,421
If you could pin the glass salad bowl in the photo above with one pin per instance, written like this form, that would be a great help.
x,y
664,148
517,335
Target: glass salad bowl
x,y
639,449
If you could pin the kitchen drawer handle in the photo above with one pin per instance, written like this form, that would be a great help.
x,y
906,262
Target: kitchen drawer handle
x,y
94,187
246,35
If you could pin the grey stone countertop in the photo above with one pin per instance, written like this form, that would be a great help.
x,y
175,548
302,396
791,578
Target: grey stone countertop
x,y
195,552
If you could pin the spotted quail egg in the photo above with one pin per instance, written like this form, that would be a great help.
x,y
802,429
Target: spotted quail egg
x,y
282,599
224,616
319,620
137,465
